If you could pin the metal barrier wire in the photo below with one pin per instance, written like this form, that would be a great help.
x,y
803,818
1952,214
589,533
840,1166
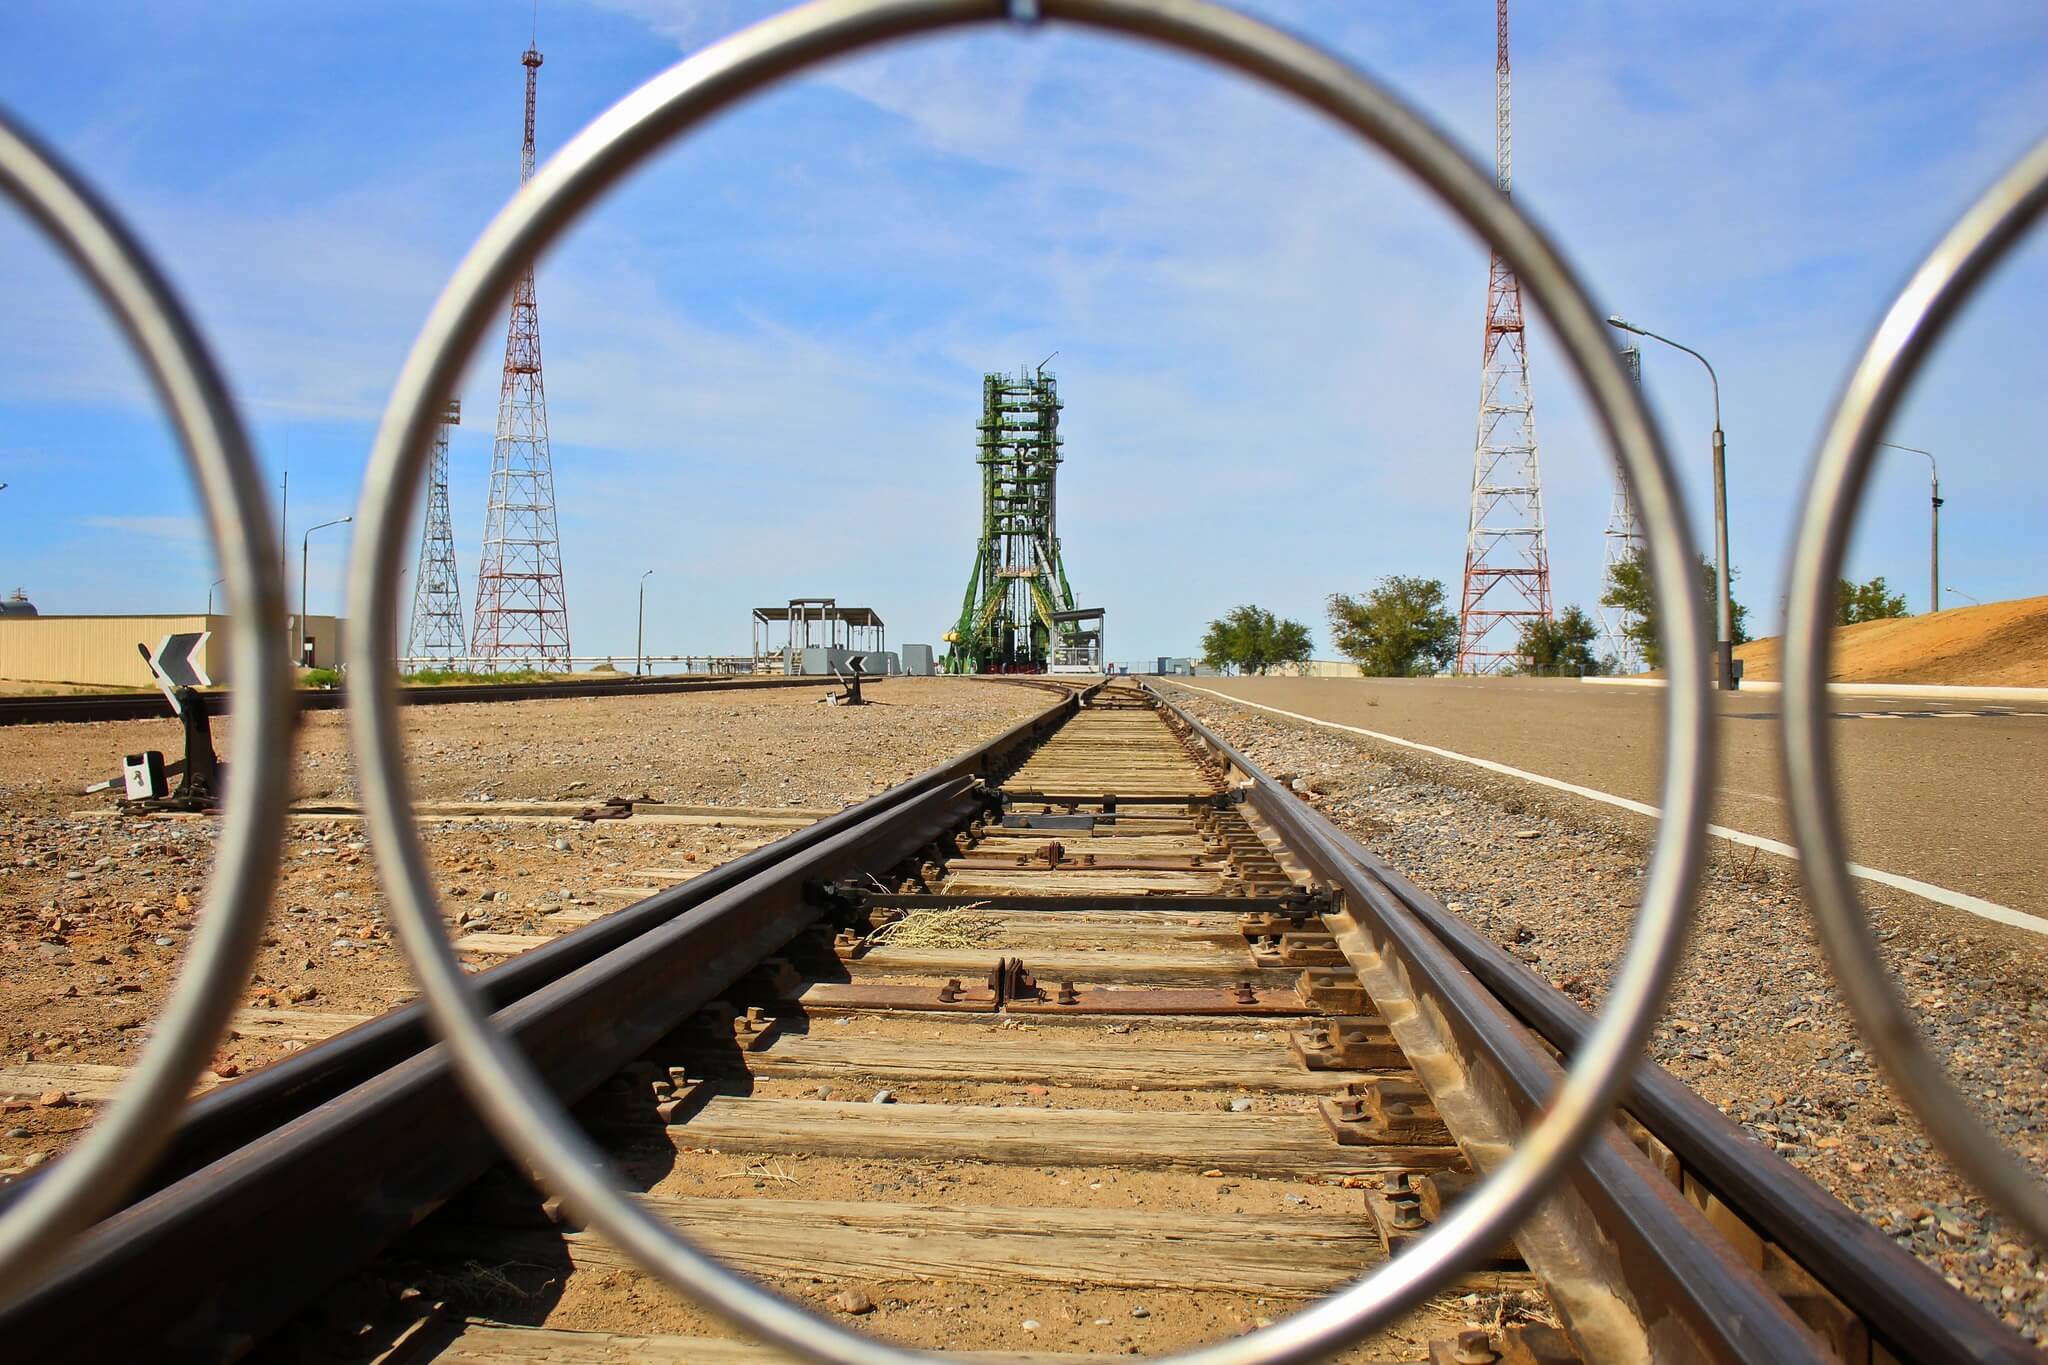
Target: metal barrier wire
x,y
1959,263
515,1102
120,1146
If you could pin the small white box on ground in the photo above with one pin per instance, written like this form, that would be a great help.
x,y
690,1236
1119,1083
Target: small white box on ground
x,y
144,775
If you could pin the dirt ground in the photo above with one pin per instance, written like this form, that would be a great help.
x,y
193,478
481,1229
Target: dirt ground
x,y
95,908
1998,644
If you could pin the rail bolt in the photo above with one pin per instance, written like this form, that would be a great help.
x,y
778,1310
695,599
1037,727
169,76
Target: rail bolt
x,y
1474,1347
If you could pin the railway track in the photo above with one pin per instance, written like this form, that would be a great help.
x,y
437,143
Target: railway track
x,y
1094,1040
151,706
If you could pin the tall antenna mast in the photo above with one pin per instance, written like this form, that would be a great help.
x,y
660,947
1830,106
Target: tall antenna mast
x,y
1507,559
436,632
1624,540
522,608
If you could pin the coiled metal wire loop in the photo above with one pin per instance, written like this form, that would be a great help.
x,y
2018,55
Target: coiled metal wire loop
x,y
1942,284
120,1146
513,1099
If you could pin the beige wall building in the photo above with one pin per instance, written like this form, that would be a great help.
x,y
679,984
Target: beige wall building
x,y
100,650
1319,668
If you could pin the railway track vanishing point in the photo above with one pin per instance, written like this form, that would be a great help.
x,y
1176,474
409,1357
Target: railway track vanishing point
x,y
1153,919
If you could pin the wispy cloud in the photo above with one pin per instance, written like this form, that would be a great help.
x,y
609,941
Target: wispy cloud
x,y
762,354
181,530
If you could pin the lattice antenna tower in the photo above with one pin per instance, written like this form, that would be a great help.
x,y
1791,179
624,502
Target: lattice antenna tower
x,y
1008,620
1624,539
522,609
436,631
1507,558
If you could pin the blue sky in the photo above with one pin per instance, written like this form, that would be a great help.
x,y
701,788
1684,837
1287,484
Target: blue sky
x,y
763,355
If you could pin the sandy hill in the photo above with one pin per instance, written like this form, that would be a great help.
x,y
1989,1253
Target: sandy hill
x,y
2000,644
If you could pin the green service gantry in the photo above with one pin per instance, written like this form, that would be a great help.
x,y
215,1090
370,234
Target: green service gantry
x,y
1010,619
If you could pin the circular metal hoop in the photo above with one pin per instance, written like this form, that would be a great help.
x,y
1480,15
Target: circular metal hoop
x,y
127,1137
1930,300
512,1098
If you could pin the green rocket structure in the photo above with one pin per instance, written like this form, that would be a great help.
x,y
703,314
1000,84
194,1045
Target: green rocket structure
x,y
1018,615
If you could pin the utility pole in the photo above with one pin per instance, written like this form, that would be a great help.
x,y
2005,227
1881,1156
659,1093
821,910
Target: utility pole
x,y
338,521
1624,541
284,546
640,635
1933,525
1507,554
1725,646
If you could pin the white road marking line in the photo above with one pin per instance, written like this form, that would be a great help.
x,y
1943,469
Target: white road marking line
x,y
1940,895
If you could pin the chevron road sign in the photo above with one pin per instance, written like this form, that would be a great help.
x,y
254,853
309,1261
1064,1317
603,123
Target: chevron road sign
x,y
177,663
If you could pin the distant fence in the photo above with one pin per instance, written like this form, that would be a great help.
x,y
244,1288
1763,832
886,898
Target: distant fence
x,y
714,665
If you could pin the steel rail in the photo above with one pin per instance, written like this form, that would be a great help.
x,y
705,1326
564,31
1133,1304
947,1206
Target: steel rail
x,y
150,705
1617,1232
512,1097
1909,1308
205,1267
216,1124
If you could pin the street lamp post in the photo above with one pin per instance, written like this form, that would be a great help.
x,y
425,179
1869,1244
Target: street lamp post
x,y
209,587
1934,524
640,635
338,521
1725,646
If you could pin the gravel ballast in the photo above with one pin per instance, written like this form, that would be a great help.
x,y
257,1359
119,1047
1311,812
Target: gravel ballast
x,y
1754,1023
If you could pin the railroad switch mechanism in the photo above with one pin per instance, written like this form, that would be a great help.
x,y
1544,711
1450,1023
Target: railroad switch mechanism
x,y
202,776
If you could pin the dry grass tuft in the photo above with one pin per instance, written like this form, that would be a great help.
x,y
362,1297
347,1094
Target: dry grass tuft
x,y
962,926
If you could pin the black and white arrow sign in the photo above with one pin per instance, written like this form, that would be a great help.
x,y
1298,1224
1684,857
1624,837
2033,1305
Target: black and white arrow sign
x,y
178,659
177,663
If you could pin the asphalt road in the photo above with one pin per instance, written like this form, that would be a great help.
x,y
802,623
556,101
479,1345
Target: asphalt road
x,y
1949,792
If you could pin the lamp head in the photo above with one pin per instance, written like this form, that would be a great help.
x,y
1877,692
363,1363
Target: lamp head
x,y
1617,320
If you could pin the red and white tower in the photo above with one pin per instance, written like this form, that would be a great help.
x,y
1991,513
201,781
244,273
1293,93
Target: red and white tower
x,y
1507,561
522,610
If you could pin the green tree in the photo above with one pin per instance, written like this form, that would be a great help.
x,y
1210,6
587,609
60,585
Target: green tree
x,y
1873,601
1292,643
1628,590
1562,647
1400,628
1252,639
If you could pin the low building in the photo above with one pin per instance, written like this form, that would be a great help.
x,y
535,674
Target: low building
x,y
100,651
